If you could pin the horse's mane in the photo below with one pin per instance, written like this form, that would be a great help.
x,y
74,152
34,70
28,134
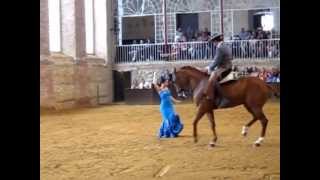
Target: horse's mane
x,y
193,69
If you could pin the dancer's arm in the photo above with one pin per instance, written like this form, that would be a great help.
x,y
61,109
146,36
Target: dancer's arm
x,y
158,89
175,100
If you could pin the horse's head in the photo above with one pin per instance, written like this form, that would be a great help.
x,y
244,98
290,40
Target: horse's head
x,y
187,78
180,80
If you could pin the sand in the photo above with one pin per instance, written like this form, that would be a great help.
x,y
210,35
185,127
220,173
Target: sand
x,y
120,142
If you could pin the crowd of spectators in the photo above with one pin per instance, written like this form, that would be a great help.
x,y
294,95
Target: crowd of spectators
x,y
246,44
251,44
268,75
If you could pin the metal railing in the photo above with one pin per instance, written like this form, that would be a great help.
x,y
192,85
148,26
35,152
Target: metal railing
x,y
241,49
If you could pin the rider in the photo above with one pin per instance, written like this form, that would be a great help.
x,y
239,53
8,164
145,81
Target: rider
x,y
221,63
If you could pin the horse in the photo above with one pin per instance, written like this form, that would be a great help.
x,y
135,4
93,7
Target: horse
x,y
251,92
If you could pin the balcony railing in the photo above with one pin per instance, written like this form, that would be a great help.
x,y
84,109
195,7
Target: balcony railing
x,y
241,49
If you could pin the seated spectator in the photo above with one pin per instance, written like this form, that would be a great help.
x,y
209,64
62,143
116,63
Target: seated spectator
x,y
135,84
278,78
269,77
141,85
235,68
147,85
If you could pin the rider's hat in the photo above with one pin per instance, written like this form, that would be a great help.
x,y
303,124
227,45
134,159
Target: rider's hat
x,y
216,37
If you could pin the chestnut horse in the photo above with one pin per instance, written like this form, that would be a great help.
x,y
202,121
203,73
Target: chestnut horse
x,y
251,92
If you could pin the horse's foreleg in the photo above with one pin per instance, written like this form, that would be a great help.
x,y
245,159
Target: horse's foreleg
x,y
245,128
213,127
199,115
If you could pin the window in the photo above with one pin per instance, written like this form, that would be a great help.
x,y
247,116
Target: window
x,y
267,22
89,21
54,26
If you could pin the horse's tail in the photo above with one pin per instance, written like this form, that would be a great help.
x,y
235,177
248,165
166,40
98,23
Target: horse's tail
x,y
275,92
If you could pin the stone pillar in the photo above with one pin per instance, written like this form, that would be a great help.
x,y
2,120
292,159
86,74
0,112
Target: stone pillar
x,y
104,36
44,28
73,28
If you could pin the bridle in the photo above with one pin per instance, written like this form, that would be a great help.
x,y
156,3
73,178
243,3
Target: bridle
x,y
180,91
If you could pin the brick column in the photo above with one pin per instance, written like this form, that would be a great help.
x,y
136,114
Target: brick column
x,y
73,28
44,28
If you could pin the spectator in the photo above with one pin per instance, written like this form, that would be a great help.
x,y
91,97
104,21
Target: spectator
x,y
243,35
199,36
207,32
235,68
149,50
269,77
278,78
135,84
195,35
204,36
189,33
249,34
141,85
178,34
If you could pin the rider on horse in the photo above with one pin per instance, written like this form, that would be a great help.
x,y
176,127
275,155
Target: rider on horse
x,y
221,63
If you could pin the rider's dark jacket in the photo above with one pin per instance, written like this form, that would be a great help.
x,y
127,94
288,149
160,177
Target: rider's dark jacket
x,y
222,57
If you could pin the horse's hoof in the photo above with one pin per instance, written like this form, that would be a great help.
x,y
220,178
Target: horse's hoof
x,y
256,144
212,144
244,131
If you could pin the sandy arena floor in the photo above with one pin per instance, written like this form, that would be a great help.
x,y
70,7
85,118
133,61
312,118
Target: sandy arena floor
x,y
120,142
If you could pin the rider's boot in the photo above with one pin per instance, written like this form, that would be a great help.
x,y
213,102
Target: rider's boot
x,y
223,100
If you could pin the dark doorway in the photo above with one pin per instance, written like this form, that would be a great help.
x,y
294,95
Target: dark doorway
x,y
257,21
135,29
189,23
121,81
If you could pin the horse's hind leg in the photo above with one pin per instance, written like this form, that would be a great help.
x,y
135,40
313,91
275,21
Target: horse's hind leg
x,y
264,122
213,127
245,128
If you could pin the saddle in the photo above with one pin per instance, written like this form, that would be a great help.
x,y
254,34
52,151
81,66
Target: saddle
x,y
227,76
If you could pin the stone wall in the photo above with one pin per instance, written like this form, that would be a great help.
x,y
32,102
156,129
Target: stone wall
x,y
67,84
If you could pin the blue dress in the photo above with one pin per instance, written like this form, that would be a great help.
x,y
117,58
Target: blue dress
x,y
171,125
